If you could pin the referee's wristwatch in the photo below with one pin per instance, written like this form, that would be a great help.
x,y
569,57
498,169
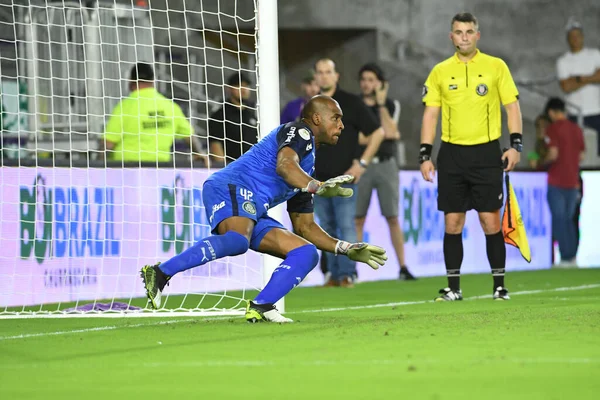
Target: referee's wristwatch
x,y
516,141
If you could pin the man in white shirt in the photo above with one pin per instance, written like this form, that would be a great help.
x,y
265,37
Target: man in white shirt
x,y
579,74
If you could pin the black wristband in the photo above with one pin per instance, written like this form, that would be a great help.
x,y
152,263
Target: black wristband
x,y
516,139
425,151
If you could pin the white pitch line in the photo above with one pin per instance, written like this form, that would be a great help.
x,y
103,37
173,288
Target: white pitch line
x,y
415,363
485,296
316,363
96,329
30,335
396,304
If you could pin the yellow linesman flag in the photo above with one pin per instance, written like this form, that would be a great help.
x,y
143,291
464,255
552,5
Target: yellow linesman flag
x,y
513,227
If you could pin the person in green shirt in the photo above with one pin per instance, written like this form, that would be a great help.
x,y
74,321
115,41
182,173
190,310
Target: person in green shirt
x,y
536,157
143,126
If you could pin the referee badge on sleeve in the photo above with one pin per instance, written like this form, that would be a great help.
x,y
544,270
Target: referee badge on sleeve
x,y
481,89
424,91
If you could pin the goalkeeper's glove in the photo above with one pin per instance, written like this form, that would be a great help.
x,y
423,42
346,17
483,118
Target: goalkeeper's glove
x,y
331,187
363,252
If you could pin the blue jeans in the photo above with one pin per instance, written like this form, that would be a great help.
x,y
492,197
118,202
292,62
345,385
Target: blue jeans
x,y
563,203
336,217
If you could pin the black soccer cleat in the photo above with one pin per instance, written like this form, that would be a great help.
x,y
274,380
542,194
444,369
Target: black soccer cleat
x,y
448,294
154,282
501,293
264,313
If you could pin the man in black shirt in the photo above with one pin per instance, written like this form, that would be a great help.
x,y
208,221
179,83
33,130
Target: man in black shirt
x,y
336,215
233,129
382,174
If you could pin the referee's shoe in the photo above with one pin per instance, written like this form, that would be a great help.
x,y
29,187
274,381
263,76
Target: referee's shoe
x,y
501,293
448,294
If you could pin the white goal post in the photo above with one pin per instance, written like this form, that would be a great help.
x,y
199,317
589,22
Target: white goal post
x,y
76,227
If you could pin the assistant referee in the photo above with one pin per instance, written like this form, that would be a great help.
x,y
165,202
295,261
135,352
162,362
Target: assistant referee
x,y
468,88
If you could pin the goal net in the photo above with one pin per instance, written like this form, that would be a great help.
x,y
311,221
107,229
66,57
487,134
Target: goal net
x,y
78,222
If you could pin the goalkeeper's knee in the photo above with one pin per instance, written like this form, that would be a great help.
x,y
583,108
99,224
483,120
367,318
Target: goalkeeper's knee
x,y
303,259
312,255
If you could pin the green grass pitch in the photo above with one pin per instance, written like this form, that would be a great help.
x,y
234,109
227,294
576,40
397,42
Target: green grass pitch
x,y
345,344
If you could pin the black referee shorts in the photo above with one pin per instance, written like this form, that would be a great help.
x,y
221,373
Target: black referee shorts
x,y
470,177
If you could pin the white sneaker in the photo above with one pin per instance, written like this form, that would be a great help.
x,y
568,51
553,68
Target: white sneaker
x,y
566,264
572,263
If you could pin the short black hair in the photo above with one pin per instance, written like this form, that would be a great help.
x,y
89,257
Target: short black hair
x,y
142,72
237,78
555,104
309,77
464,17
374,68
541,117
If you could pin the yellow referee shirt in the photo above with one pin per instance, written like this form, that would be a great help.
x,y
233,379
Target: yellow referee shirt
x,y
470,95
144,125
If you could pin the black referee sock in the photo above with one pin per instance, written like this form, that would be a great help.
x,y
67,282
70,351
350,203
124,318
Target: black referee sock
x,y
453,256
496,252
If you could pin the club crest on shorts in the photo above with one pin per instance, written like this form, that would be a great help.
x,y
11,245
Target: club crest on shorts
x,y
249,208
304,134
481,89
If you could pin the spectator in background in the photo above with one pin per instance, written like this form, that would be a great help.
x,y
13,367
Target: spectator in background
x,y
143,126
579,73
536,157
291,111
232,129
565,152
336,214
382,173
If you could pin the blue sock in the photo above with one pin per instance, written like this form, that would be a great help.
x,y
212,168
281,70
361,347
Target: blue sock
x,y
298,263
206,250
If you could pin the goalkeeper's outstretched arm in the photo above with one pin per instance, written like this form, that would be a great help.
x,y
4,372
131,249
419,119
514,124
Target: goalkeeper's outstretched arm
x,y
304,225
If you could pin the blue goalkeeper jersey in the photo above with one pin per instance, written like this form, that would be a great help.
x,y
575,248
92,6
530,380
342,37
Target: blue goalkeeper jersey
x,y
256,169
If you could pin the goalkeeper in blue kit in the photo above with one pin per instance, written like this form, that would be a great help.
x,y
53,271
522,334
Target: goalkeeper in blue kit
x,y
236,200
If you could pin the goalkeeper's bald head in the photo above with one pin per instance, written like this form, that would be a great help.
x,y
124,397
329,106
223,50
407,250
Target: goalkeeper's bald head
x,y
319,104
324,117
